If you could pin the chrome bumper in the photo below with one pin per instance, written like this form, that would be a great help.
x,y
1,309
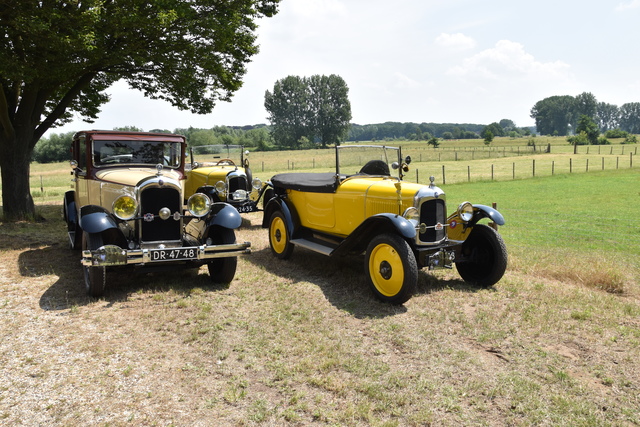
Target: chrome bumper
x,y
110,255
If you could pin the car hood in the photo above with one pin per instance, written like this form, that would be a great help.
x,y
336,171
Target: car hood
x,y
132,176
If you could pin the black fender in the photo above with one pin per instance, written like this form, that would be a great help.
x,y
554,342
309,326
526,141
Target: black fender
x,y
210,191
224,215
69,211
290,215
95,219
483,211
373,226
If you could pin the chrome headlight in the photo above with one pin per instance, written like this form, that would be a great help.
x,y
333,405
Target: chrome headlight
x,y
256,183
220,186
199,204
125,207
412,214
465,211
239,195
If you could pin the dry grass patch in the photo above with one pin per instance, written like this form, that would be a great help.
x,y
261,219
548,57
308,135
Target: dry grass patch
x,y
303,342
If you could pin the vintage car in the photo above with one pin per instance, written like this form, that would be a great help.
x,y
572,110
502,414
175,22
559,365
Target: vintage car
x,y
401,227
227,178
127,208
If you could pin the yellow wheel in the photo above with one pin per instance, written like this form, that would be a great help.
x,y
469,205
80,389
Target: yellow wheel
x,y
279,236
392,271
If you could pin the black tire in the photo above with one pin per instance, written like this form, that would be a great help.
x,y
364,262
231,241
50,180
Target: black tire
x,y
222,270
483,258
279,241
391,269
95,278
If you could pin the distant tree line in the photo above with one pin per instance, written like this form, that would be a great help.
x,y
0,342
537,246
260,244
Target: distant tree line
x,y
561,115
426,131
56,147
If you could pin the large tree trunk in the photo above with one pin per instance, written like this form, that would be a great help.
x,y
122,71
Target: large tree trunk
x,y
15,160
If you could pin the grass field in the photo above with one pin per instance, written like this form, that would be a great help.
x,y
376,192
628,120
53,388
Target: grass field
x,y
302,341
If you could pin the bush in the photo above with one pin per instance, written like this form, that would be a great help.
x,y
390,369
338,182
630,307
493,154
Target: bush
x,y
616,133
53,149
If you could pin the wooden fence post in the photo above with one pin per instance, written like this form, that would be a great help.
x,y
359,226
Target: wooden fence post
x,y
492,224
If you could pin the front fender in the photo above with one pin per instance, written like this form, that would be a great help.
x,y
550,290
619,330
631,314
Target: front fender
x,y
95,219
482,211
224,215
277,204
373,226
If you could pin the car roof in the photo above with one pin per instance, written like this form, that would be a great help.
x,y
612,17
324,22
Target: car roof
x,y
131,136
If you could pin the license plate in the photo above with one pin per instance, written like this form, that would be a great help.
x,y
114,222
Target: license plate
x,y
249,207
173,254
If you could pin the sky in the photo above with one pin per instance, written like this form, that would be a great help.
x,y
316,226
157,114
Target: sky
x,y
440,61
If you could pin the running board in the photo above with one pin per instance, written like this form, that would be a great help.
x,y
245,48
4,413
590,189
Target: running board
x,y
316,247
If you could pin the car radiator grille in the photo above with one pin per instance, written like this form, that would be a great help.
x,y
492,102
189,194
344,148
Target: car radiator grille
x,y
151,201
432,212
237,183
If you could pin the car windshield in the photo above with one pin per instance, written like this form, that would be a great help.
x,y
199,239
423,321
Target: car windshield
x,y
366,159
206,154
136,152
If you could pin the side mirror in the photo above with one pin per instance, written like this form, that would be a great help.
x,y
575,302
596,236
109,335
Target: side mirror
x,y
407,160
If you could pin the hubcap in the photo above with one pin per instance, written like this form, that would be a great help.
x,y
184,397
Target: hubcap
x,y
385,270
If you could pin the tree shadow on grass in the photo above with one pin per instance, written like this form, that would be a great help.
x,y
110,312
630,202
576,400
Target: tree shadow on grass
x,y
342,280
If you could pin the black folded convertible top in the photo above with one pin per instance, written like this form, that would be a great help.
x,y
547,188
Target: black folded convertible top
x,y
324,182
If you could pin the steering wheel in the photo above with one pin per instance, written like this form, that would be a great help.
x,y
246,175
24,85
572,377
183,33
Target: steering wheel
x,y
227,161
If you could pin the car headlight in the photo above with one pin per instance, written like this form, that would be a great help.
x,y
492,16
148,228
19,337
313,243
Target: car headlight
x,y
412,213
256,183
465,211
220,186
125,207
199,205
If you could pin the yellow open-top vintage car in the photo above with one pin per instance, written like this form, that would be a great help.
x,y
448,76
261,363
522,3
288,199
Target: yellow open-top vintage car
x,y
226,178
127,208
401,227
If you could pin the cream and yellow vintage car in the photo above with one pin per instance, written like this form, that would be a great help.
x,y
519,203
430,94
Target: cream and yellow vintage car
x,y
224,175
400,227
126,208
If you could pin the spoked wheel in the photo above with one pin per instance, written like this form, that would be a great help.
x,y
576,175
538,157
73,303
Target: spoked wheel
x,y
391,269
222,270
94,277
279,241
484,257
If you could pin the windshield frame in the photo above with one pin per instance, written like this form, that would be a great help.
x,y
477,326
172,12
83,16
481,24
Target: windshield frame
x,y
139,152
388,154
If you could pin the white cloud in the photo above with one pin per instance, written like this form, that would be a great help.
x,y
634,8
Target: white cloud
x,y
405,82
455,41
509,59
633,4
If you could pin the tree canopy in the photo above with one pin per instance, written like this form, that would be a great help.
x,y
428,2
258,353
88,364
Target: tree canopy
x,y
57,58
560,115
315,108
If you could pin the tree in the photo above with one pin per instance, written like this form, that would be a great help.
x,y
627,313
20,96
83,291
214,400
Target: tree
x,y
53,149
589,127
288,108
584,104
554,114
607,116
330,109
630,117
57,58
314,108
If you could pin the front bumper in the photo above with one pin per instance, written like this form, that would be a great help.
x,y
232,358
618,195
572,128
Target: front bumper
x,y
111,255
